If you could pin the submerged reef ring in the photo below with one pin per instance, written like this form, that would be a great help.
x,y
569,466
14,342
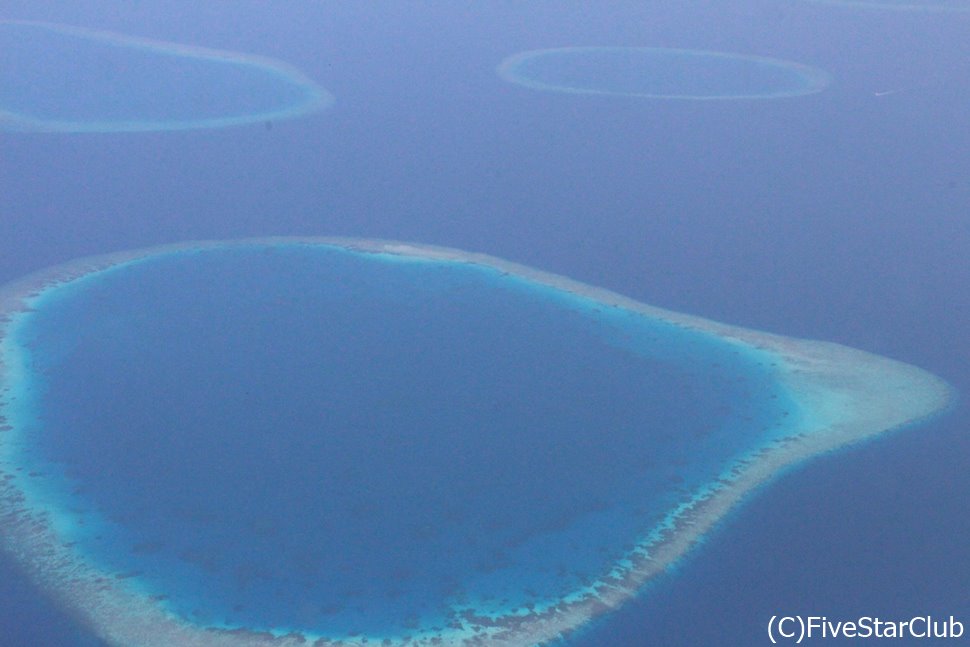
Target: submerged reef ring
x,y
925,6
661,73
832,395
61,78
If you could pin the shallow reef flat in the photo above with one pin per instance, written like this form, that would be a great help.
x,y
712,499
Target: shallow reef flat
x,y
69,79
842,396
661,73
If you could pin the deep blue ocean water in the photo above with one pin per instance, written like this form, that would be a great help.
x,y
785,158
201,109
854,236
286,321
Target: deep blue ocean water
x,y
839,216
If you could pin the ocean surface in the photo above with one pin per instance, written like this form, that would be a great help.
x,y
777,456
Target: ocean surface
x,y
839,215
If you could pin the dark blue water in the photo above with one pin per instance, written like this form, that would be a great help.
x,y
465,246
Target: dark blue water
x,y
839,216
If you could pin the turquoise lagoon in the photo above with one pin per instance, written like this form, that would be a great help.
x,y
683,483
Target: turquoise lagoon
x,y
333,441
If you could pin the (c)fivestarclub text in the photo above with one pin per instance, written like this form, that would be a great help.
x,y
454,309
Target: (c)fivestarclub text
x,y
798,628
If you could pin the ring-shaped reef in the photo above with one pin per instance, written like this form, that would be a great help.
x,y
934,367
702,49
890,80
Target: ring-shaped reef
x,y
62,78
345,442
924,6
661,73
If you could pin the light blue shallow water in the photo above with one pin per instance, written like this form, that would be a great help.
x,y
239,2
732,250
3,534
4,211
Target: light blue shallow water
x,y
310,438
58,77
661,72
